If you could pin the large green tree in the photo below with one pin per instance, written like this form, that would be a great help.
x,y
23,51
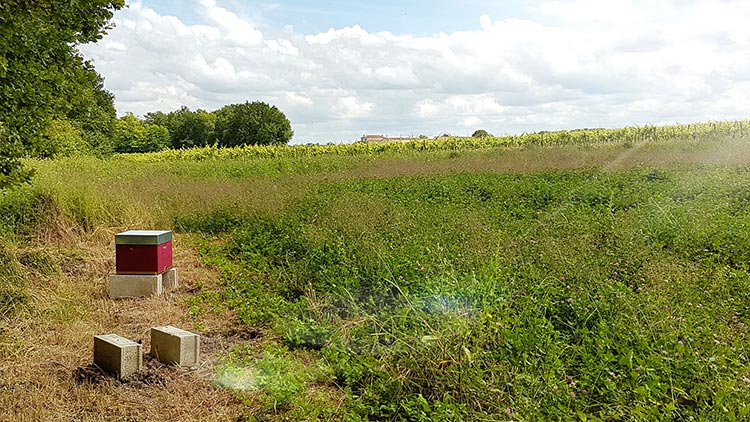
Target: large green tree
x,y
95,114
87,128
42,74
187,129
254,123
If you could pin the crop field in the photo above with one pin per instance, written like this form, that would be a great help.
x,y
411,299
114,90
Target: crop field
x,y
590,275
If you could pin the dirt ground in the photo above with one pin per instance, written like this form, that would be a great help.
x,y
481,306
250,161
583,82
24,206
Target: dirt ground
x,y
47,372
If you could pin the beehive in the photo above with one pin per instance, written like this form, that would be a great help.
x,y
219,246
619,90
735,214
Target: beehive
x,y
143,251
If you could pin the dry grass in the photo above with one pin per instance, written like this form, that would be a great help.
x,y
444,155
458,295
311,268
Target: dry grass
x,y
535,159
43,346
263,196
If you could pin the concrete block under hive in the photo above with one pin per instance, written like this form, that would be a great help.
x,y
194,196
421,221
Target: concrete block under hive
x,y
170,279
134,285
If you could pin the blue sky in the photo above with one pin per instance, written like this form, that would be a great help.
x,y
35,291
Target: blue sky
x,y
400,17
340,69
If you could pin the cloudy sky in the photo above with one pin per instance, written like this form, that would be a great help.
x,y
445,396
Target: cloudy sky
x,y
342,68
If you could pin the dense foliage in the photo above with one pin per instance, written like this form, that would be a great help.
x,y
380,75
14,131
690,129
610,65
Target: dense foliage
x,y
481,133
553,296
133,135
254,123
187,129
42,76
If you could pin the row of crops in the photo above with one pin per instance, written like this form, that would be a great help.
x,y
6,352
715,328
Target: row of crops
x,y
634,134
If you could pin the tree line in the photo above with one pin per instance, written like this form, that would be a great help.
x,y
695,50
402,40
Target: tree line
x,y
53,102
47,88
255,123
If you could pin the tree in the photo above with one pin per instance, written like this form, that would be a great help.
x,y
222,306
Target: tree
x,y
187,128
192,128
42,74
133,135
158,118
254,123
481,133
95,115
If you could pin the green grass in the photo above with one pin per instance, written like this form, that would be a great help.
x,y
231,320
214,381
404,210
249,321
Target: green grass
x,y
594,282
550,295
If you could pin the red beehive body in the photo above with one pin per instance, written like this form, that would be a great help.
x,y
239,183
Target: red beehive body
x,y
143,252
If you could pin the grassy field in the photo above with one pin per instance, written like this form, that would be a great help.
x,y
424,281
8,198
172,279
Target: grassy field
x,y
582,281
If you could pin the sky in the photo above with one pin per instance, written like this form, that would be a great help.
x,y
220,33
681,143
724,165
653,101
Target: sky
x,y
340,69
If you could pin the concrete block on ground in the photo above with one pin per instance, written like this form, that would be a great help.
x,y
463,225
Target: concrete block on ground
x,y
129,285
117,355
170,279
173,345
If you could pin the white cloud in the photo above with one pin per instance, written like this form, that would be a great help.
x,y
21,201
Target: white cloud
x,y
234,28
593,11
281,47
427,108
116,46
294,98
472,122
208,32
351,107
576,63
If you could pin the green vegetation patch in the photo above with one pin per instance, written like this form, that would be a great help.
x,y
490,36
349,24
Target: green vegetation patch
x,y
24,210
597,282
282,382
562,294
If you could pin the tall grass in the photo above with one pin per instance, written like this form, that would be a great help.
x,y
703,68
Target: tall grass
x,y
592,275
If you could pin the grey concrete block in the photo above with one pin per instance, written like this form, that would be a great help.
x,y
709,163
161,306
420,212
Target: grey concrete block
x,y
117,355
173,345
170,279
128,285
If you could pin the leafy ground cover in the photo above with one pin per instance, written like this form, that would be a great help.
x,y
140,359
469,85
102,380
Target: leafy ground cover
x,y
472,296
579,282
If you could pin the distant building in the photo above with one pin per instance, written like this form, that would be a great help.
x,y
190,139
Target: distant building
x,y
372,138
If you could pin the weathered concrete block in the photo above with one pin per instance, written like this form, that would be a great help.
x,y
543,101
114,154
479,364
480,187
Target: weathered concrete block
x,y
170,279
129,285
117,355
173,345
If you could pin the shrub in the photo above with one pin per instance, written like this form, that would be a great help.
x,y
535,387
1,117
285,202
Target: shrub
x,y
23,210
61,139
133,135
